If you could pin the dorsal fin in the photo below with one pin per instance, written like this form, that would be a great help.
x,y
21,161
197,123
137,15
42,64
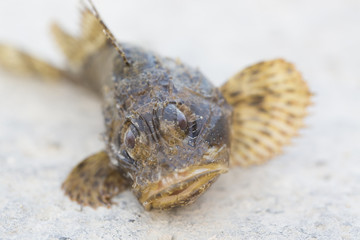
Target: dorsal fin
x,y
94,36
108,33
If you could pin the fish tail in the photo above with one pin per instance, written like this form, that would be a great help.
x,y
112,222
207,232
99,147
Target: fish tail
x,y
78,48
83,69
18,62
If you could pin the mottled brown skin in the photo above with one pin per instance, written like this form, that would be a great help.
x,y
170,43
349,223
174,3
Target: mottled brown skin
x,y
145,101
161,118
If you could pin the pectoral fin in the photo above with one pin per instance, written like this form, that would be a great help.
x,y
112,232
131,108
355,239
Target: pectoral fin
x,y
269,101
94,182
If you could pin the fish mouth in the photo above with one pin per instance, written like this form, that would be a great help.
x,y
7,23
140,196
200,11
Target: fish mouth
x,y
180,188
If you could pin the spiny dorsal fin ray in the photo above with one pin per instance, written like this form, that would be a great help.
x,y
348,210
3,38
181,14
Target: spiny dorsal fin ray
x,y
108,33
269,101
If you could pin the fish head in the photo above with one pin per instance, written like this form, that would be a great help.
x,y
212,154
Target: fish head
x,y
172,136
172,151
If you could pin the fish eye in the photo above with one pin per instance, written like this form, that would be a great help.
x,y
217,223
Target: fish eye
x,y
130,138
172,113
181,119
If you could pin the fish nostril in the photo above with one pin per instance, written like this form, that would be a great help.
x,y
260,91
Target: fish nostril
x,y
193,132
193,129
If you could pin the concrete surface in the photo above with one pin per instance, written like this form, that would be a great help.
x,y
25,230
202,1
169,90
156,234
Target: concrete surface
x,y
312,191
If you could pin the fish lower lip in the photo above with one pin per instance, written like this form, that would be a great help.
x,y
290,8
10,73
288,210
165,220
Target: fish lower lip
x,y
180,188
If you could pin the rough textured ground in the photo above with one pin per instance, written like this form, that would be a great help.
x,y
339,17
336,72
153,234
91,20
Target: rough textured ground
x,y
312,191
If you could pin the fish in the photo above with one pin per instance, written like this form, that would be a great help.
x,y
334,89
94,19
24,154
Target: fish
x,y
169,132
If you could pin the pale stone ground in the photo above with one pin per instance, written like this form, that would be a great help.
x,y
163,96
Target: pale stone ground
x,y
310,192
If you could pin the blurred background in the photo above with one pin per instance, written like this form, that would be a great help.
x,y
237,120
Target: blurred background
x,y
310,192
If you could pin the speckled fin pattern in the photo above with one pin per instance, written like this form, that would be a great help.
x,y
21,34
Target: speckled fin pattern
x,y
94,182
269,100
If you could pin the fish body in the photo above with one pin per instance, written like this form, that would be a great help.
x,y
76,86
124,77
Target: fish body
x,y
163,118
170,133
